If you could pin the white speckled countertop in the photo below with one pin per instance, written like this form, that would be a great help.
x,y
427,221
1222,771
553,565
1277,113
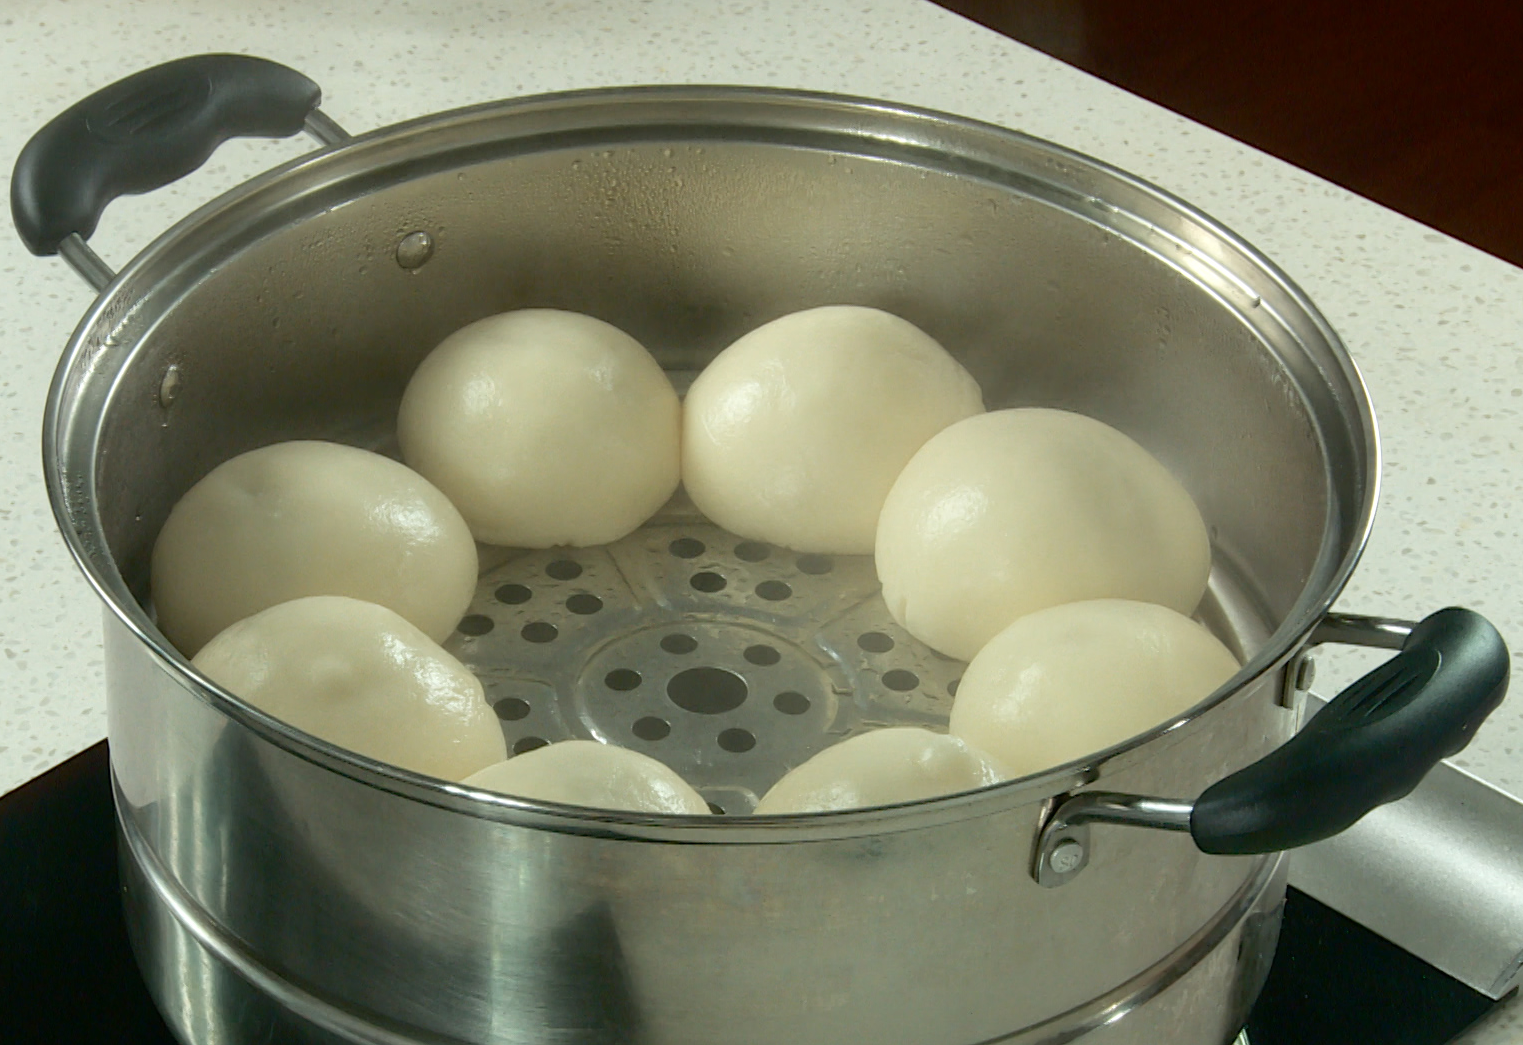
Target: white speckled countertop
x,y
1436,326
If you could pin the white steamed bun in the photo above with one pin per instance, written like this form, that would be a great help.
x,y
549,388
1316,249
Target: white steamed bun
x,y
310,518
794,434
544,428
359,676
587,773
884,767
1073,680
1013,511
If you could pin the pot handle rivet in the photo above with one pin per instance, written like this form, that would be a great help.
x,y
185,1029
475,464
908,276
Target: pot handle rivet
x,y
1066,856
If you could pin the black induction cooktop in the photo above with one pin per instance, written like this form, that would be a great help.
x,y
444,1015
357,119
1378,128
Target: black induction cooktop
x,y
66,974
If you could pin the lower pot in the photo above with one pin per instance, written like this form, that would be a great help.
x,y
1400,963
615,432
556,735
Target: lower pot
x,y
210,988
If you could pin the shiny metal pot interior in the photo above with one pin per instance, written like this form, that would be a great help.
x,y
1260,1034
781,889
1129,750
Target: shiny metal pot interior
x,y
277,885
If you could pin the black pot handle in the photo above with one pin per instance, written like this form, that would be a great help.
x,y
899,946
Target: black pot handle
x,y
1371,744
148,130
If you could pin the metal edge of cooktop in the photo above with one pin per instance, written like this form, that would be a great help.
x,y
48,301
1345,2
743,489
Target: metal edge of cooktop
x,y
1439,874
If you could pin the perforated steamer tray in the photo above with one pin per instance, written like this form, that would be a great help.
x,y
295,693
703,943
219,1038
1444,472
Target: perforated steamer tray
x,y
728,659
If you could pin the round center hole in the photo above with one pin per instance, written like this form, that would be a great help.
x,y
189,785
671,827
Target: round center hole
x,y
707,691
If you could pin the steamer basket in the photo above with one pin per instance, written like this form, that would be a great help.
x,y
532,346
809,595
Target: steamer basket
x,y
279,886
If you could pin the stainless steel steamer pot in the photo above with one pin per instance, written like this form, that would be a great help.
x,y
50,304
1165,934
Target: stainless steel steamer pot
x,y
278,888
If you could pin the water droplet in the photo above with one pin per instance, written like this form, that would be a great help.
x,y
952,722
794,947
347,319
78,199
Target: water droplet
x,y
169,387
415,250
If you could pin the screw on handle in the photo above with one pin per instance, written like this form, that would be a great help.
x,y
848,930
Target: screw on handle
x,y
146,131
1370,745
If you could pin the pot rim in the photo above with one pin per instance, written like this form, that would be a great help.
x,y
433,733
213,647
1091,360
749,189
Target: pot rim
x,y
84,533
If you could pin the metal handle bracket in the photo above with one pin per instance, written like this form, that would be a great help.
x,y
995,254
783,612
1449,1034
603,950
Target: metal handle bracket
x,y
1062,845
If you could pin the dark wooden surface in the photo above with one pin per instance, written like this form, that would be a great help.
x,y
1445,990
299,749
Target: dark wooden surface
x,y
1418,106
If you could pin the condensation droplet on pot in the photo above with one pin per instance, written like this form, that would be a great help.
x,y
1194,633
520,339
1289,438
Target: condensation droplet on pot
x,y
169,387
415,249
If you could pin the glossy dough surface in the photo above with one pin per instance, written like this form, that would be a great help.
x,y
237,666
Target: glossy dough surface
x,y
1013,511
1073,680
884,767
794,434
544,428
310,518
587,773
359,676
